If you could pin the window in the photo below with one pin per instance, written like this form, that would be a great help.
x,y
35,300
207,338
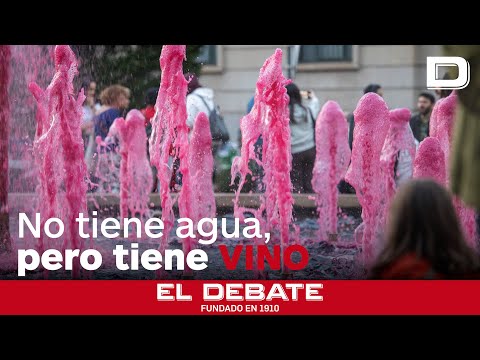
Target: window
x,y
328,57
207,55
322,53
210,56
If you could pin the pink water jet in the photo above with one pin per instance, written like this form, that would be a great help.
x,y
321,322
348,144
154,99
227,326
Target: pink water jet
x,y
200,163
430,161
443,125
399,144
28,63
443,131
269,118
467,218
5,56
107,163
169,138
331,163
365,170
59,153
433,124
135,172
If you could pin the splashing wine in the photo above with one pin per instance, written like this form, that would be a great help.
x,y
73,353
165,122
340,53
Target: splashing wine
x,y
5,55
59,152
365,172
331,163
269,119
135,172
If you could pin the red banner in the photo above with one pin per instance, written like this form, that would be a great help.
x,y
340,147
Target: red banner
x,y
196,297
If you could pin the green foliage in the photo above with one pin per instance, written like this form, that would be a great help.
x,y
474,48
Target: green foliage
x,y
134,66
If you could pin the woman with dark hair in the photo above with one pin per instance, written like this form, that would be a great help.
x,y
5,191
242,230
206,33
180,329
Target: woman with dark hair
x,y
424,237
149,112
303,113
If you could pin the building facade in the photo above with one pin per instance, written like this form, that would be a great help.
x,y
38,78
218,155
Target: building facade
x,y
333,72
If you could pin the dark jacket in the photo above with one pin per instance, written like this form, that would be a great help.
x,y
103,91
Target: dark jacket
x,y
104,120
416,124
411,267
351,126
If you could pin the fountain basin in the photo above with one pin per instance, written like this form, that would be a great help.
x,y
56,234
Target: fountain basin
x,y
223,200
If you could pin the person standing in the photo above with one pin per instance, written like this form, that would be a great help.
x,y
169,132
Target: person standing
x,y
303,113
90,108
202,99
420,122
375,88
149,112
199,99
344,187
115,100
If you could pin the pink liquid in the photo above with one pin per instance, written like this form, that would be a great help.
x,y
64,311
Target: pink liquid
x,y
200,163
59,153
331,163
28,63
467,219
433,124
365,170
443,130
42,108
5,56
107,164
170,135
399,139
135,172
430,161
269,118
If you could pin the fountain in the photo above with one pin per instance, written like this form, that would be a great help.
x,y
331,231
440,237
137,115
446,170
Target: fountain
x,y
430,161
167,116
169,139
135,172
29,63
200,163
365,172
106,163
442,129
399,144
63,179
59,153
5,55
331,163
269,118
433,124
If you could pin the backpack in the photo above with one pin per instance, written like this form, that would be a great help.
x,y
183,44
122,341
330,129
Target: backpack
x,y
218,128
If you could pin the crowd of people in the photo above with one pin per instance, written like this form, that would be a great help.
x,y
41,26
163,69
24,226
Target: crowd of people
x,y
101,139
100,112
424,239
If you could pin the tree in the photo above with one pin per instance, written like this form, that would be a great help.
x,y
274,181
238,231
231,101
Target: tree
x,y
134,66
